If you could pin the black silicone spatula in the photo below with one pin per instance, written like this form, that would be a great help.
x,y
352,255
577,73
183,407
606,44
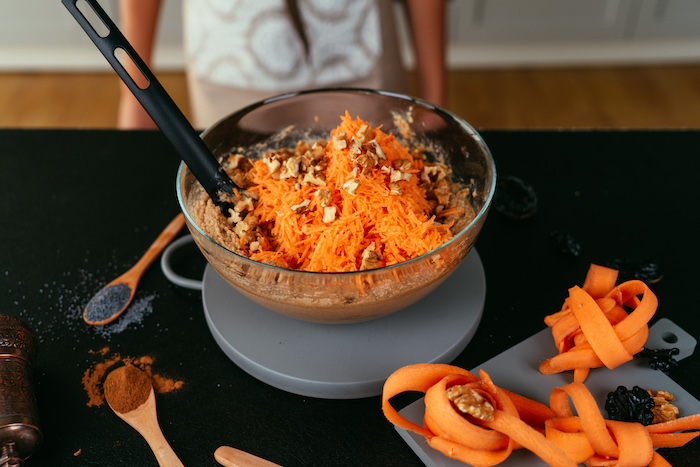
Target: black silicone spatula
x,y
153,97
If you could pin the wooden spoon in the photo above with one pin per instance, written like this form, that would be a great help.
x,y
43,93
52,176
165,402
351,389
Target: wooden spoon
x,y
232,457
113,298
143,418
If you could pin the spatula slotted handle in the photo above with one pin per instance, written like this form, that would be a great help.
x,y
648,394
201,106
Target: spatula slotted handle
x,y
156,101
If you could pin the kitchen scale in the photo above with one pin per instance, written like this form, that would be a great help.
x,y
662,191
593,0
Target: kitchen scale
x,y
340,361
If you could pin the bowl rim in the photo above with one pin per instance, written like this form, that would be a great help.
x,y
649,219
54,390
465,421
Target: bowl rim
x,y
440,111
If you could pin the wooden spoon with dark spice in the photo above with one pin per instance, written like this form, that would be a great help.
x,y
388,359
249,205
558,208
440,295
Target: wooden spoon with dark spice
x,y
113,298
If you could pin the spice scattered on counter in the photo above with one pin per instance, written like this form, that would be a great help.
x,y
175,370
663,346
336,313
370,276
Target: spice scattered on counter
x,y
103,351
127,388
93,378
92,381
65,300
134,314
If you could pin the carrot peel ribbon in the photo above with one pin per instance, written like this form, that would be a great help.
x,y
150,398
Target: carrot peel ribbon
x,y
557,436
594,328
463,437
611,442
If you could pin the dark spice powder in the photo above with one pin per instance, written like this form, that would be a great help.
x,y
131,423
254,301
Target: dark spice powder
x,y
127,388
107,302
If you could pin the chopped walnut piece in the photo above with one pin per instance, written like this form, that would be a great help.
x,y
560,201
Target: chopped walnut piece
x,y
244,205
233,216
365,133
233,161
351,186
370,258
355,146
301,207
436,182
329,214
311,162
302,147
290,168
318,149
367,161
663,410
273,164
402,164
442,193
433,173
395,189
237,166
318,179
324,196
245,229
377,149
470,402
397,175
340,140
241,206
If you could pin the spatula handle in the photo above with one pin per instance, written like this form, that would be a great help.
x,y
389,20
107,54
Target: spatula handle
x,y
156,101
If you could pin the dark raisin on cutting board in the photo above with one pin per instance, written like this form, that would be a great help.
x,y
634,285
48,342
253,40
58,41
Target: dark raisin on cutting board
x,y
632,405
661,359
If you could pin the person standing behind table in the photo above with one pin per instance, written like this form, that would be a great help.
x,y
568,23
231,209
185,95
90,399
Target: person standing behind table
x,y
240,52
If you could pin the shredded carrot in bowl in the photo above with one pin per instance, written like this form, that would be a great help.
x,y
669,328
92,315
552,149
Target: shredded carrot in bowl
x,y
366,205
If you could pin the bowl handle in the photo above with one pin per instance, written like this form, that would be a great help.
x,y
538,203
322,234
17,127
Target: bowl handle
x,y
169,272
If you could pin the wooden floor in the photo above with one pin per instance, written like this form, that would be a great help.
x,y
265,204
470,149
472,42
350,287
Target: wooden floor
x,y
528,98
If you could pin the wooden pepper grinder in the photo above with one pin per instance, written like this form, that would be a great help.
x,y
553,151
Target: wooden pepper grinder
x,y
20,435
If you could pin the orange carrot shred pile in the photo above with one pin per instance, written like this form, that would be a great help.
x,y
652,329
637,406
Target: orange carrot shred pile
x,y
594,328
399,226
554,434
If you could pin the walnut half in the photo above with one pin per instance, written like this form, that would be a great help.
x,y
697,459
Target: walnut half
x,y
663,410
470,402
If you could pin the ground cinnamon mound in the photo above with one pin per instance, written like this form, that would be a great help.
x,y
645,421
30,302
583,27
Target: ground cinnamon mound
x,y
94,378
127,388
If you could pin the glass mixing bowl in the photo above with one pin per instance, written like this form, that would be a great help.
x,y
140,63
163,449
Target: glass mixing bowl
x,y
355,296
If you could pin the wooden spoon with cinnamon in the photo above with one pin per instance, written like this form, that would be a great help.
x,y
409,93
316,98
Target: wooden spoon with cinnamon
x,y
129,392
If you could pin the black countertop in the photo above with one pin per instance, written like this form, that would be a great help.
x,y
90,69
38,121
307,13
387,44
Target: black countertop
x,y
79,207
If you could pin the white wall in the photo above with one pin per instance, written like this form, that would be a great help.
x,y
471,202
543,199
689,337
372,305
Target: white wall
x,y
40,35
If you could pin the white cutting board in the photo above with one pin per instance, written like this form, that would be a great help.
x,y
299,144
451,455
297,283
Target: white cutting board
x,y
516,369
